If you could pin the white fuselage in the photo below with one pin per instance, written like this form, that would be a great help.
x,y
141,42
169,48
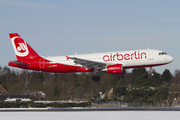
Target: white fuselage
x,y
129,59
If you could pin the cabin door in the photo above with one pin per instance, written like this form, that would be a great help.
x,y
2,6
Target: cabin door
x,y
41,63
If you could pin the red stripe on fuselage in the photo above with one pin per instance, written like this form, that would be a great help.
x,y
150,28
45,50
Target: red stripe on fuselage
x,y
152,65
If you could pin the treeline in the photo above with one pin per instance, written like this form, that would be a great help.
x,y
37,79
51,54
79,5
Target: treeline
x,y
19,104
136,86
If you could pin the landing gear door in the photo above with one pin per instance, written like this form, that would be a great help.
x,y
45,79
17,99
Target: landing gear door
x,y
150,55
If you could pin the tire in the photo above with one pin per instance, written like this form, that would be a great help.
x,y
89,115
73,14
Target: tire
x,y
96,78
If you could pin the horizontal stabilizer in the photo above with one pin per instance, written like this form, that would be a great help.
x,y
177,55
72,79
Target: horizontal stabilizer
x,y
21,63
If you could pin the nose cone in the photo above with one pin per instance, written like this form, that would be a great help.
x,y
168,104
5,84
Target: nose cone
x,y
170,59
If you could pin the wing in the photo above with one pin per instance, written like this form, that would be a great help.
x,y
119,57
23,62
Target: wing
x,y
88,63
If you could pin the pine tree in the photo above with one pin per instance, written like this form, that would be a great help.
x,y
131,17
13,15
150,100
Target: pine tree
x,y
166,76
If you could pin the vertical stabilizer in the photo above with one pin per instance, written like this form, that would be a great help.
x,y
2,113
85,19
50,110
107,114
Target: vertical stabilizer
x,y
22,50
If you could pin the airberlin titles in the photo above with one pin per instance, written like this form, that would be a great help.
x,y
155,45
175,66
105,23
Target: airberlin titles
x,y
127,56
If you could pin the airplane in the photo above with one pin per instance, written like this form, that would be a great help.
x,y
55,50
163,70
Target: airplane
x,y
111,62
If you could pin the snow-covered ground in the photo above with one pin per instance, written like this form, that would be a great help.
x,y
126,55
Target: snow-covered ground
x,y
92,115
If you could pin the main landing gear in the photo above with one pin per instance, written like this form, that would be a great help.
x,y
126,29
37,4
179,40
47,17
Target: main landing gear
x,y
96,78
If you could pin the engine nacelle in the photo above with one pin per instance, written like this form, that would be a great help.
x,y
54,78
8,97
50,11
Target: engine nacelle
x,y
115,69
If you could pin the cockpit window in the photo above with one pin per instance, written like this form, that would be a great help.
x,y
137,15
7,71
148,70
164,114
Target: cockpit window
x,y
162,53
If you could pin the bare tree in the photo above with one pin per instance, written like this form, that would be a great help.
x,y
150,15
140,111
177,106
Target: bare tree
x,y
25,77
177,76
0,70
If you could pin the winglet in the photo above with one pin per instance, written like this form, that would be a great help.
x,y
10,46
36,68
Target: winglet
x,y
67,57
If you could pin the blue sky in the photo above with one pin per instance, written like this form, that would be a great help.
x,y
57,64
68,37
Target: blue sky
x,y
62,27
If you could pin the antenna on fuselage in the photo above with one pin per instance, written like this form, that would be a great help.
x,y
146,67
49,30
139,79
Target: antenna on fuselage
x,y
148,48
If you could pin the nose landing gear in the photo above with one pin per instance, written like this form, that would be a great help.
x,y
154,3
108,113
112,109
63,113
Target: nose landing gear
x,y
151,71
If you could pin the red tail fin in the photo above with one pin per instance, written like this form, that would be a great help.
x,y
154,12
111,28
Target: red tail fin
x,y
22,50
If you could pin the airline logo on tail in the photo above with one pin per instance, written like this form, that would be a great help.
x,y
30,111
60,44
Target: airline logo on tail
x,y
20,46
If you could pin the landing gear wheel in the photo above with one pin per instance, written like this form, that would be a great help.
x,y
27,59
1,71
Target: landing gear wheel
x,y
96,78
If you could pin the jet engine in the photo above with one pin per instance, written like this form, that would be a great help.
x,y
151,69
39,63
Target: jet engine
x,y
115,69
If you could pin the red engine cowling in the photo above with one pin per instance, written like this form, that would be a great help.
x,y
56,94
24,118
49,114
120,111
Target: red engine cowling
x,y
115,69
